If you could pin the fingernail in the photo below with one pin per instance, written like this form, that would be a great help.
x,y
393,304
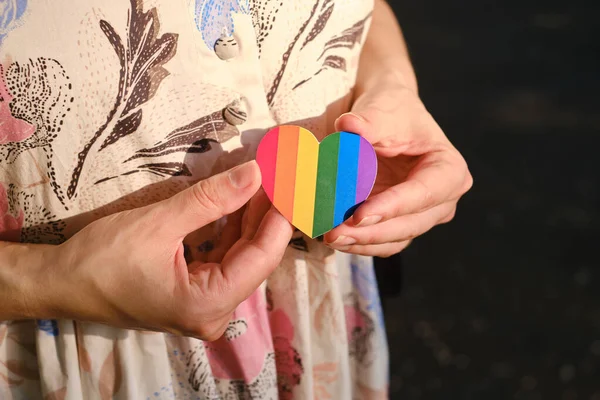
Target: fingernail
x,y
357,116
369,221
350,114
344,241
243,175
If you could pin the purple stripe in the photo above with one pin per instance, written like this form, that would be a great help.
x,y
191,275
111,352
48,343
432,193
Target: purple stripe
x,y
367,171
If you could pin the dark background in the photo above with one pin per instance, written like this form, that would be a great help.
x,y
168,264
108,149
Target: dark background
x,y
504,303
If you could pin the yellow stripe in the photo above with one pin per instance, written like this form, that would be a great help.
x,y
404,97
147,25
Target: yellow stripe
x,y
306,182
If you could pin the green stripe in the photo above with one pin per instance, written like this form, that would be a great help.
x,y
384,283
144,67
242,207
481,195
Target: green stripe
x,y
326,181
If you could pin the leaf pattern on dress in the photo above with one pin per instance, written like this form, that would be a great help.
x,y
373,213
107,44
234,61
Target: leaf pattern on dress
x,y
264,14
85,361
60,394
8,381
323,376
286,56
195,137
30,347
298,241
111,376
166,169
18,368
142,56
348,39
325,14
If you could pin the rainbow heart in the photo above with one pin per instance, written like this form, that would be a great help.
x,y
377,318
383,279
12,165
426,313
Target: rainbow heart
x,y
316,186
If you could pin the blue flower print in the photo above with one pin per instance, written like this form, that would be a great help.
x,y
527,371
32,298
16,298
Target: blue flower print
x,y
10,13
365,282
48,326
215,18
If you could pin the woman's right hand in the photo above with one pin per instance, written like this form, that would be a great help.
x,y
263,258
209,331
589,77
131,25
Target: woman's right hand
x,y
128,270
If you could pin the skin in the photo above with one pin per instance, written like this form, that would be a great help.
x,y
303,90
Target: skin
x,y
421,175
128,269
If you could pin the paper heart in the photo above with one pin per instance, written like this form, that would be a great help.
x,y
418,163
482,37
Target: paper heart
x,y
316,186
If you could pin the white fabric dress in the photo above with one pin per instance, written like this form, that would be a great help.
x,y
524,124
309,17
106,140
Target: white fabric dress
x,y
106,105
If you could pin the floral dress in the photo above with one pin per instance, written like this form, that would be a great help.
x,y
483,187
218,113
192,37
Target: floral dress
x,y
107,105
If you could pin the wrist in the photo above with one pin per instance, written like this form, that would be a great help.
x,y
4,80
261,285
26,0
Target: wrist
x,y
25,285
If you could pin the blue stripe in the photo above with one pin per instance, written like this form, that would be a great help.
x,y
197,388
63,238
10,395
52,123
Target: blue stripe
x,y
347,173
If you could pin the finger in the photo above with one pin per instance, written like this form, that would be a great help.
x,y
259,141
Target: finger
x,y
229,236
209,200
258,207
392,119
377,250
398,229
436,178
374,114
250,262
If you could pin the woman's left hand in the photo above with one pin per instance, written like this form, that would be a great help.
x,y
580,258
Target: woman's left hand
x,y
421,175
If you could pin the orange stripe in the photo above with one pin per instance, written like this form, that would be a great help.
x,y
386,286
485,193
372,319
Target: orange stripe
x,y
285,175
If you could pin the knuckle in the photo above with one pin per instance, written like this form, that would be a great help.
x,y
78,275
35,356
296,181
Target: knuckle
x,y
468,184
369,237
205,195
427,197
412,231
450,217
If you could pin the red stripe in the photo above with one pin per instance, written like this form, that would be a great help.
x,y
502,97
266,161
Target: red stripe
x,y
266,156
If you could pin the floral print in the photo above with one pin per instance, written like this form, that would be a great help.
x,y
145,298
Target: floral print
x,y
10,225
11,12
214,18
119,104
11,129
48,326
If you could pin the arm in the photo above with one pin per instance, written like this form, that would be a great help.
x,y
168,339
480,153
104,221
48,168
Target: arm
x,y
23,282
421,176
385,54
128,270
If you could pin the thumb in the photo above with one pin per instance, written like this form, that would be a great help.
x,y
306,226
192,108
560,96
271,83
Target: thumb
x,y
355,123
210,199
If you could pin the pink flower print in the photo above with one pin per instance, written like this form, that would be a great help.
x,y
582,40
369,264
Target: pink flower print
x,y
10,227
11,129
360,330
242,356
287,358
354,322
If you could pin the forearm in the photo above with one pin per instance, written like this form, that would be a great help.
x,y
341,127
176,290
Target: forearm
x,y
24,285
385,55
